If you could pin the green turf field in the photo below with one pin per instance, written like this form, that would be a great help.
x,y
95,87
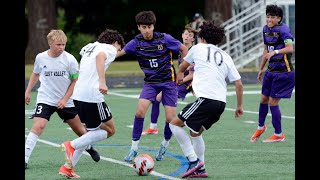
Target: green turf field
x,y
229,153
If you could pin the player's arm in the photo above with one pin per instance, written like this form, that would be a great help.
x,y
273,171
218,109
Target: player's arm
x,y
184,50
62,103
100,58
189,76
182,67
288,47
120,53
32,82
263,63
239,91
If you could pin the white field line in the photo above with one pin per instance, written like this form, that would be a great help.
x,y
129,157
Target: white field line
x,y
183,102
154,173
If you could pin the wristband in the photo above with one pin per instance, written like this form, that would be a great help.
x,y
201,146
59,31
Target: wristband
x,y
277,51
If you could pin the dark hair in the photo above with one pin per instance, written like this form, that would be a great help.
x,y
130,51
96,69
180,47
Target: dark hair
x,y
146,18
274,10
211,33
110,36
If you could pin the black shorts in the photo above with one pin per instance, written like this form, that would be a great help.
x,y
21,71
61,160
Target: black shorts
x,y
201,113
93,114
45,111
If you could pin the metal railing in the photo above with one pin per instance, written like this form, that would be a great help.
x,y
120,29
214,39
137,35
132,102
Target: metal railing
x,y
244,40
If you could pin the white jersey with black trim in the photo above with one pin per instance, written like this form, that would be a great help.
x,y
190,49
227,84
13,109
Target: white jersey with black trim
x,y
87,86
54,77
212,66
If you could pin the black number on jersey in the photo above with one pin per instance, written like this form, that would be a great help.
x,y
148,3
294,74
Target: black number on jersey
x,y
89,50
217,56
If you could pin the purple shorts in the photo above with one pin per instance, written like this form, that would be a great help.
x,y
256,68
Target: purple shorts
x,y
169,93
278,84
182,91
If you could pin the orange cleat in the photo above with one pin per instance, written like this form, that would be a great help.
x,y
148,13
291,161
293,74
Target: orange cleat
x,y
68,172
257,134
150,131
274,138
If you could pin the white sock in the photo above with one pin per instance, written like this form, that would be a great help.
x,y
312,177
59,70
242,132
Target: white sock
x,y
153,125
165,143
199,146
31,142
89,138
88,147
76,156
184,140
134,145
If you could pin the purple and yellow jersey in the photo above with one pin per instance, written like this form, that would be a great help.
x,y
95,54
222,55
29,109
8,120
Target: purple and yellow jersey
x,y
155,56
275,39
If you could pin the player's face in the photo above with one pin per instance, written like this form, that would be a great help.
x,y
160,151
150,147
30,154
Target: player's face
x,y
146,31
272,21
187,37
57,47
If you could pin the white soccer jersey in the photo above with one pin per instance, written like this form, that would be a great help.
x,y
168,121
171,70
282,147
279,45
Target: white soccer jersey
x,y
54,77
212,66
87,86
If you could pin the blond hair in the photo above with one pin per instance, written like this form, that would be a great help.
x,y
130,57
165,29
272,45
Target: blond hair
x,y
56,35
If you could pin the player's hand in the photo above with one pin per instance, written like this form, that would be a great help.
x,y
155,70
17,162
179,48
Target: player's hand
x,y
103,89
27,99
238,112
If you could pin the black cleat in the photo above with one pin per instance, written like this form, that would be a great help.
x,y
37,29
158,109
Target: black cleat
x,y
26,165
94,154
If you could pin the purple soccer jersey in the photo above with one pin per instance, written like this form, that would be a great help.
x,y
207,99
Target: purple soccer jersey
x,y
274,39
155,56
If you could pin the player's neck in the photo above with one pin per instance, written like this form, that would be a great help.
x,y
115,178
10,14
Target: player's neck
x,y
53,54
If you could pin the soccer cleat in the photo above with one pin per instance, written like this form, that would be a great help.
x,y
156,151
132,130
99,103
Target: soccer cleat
x,y
69,150
200,173
150,131
131,155
94,154
160,153
68,172
193,167
25,165
274,138
257,134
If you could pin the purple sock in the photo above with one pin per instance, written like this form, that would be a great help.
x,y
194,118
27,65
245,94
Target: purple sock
x,y
276,119
263,111
167,132
137,128
155,111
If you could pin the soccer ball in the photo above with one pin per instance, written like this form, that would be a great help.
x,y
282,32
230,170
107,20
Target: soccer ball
x,y
143,164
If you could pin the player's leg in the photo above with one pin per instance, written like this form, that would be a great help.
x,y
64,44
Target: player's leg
x,y
143,105
94,115
40,120
283,85
169,100
155,112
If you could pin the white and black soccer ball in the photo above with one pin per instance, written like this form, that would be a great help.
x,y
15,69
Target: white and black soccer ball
x,y
143,164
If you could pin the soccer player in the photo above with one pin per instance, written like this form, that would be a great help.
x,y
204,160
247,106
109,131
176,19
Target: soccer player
x,y
153,50
88,97
57,71
212,67
279,78
188,39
